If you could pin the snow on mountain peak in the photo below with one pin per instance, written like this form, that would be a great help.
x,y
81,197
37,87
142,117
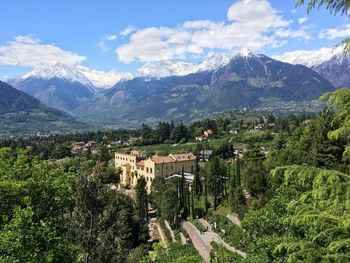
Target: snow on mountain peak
x,y
58,70
312,58
171,68
102,79
245,52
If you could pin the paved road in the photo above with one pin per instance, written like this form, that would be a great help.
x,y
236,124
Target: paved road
x,y
201,241
202,247
209,236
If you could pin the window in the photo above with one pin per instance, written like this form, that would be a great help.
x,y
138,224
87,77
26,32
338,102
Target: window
x,y
151,170
147,170
167,168
172,168
158,170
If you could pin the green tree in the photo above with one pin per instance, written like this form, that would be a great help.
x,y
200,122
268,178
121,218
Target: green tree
x,y
170,205
105,224
141,198
335,7
216,179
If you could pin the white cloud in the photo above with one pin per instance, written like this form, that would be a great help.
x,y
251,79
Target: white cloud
x,y
300,34
128,30
252,24
102,45
111,37
28,51
337,32
302,20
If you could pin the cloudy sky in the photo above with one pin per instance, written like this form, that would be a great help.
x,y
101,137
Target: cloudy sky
x,y
123,35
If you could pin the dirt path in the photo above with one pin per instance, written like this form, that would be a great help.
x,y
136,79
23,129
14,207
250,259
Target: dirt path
x,y
183,239
171,231
234,219
160,232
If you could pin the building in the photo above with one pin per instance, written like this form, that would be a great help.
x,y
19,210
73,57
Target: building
x,y
208,134
205,155
135,165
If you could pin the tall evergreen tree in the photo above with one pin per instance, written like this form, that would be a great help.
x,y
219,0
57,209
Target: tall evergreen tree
x,y
141,198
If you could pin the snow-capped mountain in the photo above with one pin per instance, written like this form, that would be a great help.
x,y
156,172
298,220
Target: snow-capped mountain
x,y
311,58
246,81
172,68
103,79
331,63
59,86
60,71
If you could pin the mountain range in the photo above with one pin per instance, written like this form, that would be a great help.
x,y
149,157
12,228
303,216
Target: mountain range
x,y
184,91
331,63
23,114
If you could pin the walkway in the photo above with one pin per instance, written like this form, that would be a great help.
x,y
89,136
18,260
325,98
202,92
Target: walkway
x,y
210,235
160,232
201,241
183,239
234,219
170,230
202,247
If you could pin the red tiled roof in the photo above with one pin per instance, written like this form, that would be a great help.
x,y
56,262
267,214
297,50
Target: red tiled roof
x,y
141,163
184,157
162,159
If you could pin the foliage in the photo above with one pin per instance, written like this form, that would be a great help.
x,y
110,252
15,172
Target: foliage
x,y
229,232
174,253
339,102
141,198
306,220
36,203
222,255
105,223
335,7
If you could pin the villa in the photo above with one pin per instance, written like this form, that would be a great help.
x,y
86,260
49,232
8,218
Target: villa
x,y
135,165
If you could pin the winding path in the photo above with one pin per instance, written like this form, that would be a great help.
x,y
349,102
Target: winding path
x,y
202,247
201,241
170,230
160,232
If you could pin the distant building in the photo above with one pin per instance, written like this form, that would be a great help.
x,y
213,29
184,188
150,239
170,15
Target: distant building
x,y
208,134
135,165
205,155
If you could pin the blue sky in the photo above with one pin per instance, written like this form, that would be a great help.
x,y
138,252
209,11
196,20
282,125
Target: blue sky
x,y
90,33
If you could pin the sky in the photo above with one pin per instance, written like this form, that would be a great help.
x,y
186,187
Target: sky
x,y
121,36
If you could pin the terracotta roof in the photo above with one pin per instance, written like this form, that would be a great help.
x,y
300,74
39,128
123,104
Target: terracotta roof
x,y
162,159
184,157
141,163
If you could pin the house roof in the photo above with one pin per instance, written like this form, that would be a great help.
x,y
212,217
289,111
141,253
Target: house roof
x,y
141,163
183,157
162,159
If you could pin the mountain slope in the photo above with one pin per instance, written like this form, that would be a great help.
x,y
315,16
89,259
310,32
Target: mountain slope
x,y
243,82
59,86
22,114
331,63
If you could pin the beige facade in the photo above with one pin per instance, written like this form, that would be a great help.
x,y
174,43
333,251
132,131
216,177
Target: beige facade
x,y
134,165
